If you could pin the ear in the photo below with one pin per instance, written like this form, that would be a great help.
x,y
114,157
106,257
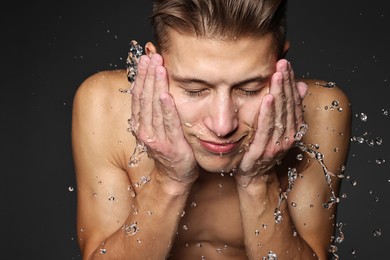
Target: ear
x,y
150,49
286,47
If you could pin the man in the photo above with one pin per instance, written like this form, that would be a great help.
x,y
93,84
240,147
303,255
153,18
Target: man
x,y
218,168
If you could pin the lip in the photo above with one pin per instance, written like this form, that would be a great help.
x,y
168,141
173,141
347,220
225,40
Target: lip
x,y
219,148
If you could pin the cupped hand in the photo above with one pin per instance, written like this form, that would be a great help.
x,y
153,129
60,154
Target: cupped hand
x,y
279,120
155,123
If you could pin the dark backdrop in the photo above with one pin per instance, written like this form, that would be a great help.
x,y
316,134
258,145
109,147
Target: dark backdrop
x,y
48,49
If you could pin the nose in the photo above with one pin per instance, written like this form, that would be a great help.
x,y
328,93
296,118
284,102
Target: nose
x,y
222,116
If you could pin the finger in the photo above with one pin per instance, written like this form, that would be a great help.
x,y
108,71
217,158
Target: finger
x,y
137,90
302,90
146,100
172,126
263,135
276,90
160,85
290,92
299,91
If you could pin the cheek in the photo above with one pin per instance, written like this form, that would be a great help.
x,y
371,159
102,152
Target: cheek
x,y
248,112
189,111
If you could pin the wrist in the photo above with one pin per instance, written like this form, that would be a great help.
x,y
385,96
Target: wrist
x,y
172,185
258,185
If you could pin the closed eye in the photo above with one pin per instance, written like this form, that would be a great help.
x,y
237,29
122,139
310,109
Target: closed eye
x,y
250,92
195,93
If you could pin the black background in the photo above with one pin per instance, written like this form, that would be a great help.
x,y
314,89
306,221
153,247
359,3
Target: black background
x,y
48,49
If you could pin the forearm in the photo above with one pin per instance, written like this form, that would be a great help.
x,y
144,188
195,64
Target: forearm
x,y
151,226
262,233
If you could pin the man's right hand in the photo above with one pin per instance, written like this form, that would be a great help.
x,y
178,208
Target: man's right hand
x,y
155,123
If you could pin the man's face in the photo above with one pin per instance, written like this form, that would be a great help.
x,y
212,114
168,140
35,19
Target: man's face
x,y
218,87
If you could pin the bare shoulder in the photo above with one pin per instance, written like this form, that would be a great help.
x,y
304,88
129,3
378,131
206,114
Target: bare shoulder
x,y
102,87
324,96
100,113
327,111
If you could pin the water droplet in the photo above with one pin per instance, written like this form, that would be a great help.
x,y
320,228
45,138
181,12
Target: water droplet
x,y
300,157
380,161
70,188
131,229
319,156
193,204
335,103
111,198
257,232
385,112
185,227
293,204
378,141
103,251
136,156
377,232
278,216
272,256
363,117
333,249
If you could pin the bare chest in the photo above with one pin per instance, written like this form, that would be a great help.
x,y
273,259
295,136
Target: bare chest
x,y
211,222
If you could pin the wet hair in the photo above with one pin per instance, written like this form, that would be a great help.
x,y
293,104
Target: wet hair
x,y
219,19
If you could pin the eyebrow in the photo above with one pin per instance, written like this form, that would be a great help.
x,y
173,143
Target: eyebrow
x,y
189,80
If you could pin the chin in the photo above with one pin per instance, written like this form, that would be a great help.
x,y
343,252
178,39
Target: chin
x,y
218,164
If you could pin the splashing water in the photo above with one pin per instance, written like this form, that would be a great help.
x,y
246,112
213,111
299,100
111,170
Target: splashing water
x,y
329,84
333,250
311,150
139,149
320,159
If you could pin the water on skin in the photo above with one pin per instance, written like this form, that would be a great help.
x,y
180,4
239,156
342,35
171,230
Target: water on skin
x,y
139,149
310,149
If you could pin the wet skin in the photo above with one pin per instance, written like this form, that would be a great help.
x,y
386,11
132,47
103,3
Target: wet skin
x,y
201,118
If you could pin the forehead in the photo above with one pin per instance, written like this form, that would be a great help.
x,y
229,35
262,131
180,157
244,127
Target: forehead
x,y
220,59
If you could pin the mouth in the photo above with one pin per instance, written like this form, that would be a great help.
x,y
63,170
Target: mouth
x,y
220,148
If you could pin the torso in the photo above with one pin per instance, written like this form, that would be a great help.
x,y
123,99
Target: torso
x,y
211,225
